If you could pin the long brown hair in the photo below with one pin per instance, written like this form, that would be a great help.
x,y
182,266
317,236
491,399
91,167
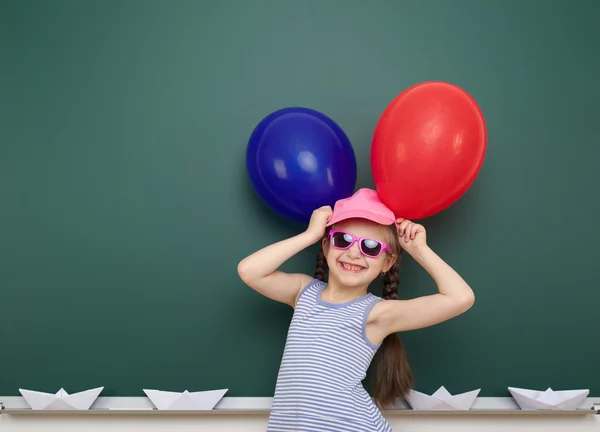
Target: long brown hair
x,y
392,376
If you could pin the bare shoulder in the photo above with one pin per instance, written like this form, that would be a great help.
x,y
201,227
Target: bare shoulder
x,y
378,310
385,312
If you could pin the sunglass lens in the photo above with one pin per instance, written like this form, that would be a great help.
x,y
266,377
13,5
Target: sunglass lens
x,y
341,240
371,247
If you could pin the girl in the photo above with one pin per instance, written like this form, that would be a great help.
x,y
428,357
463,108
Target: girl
x,y
337,326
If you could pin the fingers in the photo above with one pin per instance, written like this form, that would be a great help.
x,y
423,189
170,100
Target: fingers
x,y
325,213
407,229
326,209
414,229
403,224
323,210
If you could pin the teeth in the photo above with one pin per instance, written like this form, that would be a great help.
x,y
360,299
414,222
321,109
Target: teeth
x,y
352,267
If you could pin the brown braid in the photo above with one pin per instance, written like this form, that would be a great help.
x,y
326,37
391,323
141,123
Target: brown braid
x,y
322,268
393,376
391,279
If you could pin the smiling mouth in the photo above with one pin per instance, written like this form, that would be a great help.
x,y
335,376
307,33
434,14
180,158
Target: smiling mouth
x,y
351,267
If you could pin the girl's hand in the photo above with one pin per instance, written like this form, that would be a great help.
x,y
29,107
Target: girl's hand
x,y
411,236
318,222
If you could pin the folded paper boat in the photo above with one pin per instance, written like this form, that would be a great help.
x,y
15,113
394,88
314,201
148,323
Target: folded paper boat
x,y
202,400
549,399
60,400
442,400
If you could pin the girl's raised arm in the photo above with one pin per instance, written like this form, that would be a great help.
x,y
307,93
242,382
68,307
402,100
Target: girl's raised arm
x,y
259,270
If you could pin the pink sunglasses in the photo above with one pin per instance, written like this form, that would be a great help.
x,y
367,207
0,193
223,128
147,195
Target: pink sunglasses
x,y
368,247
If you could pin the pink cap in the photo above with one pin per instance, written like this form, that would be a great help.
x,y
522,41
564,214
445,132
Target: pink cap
x,y
364,204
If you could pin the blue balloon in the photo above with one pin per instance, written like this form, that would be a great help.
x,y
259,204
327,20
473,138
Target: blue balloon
x,y
298,160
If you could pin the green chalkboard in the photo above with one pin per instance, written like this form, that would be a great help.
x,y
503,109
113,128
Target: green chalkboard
x,y
125,204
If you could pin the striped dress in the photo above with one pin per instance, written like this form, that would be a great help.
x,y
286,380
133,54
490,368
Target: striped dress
x,y
325,359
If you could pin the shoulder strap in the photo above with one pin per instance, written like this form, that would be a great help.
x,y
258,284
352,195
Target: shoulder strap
x,y
308,294
367,309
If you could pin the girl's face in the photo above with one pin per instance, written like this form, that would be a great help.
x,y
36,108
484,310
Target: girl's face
x,y
350,267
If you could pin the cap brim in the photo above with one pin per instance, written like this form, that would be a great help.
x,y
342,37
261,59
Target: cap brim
x,y
361,214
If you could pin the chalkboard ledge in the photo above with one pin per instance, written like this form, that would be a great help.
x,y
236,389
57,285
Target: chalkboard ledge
x,y
392,412
16,405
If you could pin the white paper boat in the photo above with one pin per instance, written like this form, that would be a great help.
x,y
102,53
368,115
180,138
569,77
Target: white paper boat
x,y
549,399
203,400
441,400
61,400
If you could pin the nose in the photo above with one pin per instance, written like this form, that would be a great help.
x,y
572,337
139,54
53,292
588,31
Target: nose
x,y
354,251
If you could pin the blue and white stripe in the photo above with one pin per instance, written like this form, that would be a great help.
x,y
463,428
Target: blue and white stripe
x,y
326,357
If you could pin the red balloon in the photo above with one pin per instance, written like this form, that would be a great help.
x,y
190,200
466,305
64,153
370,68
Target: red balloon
x,y
428,148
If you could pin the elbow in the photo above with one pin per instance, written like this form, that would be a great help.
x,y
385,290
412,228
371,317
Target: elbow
x,y
243,271
248,274
468,301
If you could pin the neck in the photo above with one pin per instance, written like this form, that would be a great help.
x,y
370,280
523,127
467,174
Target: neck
x,y
336,292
